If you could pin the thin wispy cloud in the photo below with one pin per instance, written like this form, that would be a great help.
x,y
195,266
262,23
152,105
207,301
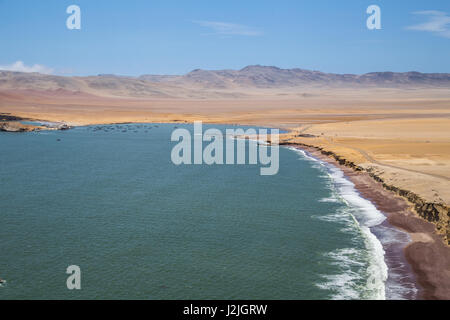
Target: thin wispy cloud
x,y
438,22
226,28
21,67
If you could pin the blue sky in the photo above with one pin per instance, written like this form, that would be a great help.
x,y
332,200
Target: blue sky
x,y
174,37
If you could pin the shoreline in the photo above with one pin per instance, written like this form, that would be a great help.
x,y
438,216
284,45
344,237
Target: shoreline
x,y
401,282
11,123
426,253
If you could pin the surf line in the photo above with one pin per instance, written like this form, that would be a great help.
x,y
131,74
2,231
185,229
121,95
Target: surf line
x,y
366,216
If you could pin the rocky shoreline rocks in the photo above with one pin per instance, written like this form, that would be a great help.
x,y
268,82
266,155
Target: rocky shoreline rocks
x,y
12,126
10,123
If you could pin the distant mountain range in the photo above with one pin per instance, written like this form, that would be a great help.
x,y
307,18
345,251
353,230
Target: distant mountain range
x,y
220,83
269,77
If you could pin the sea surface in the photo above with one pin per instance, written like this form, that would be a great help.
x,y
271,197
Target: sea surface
x,y
109,200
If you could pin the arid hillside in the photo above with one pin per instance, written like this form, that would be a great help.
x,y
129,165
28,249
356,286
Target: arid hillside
x,y
248,82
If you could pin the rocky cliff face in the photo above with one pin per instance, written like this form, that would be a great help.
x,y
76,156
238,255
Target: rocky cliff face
x,y
437,213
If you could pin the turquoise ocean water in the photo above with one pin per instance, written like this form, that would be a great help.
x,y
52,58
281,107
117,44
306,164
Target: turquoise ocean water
x,y
109,200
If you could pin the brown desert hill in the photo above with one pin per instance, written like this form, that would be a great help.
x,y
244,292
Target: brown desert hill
x,y
257,76
109,86
218,84
102,85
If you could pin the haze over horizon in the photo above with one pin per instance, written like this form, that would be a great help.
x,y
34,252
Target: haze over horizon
x,y
168,37
40,69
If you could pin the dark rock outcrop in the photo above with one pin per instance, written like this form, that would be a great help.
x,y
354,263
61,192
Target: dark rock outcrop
x,y
9,117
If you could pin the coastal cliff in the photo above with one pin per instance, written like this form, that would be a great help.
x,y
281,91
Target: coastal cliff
x,y
436,213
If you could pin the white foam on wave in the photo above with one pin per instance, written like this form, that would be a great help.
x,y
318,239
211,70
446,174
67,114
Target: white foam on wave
x,y
330,199
346,284
362,214
304,154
